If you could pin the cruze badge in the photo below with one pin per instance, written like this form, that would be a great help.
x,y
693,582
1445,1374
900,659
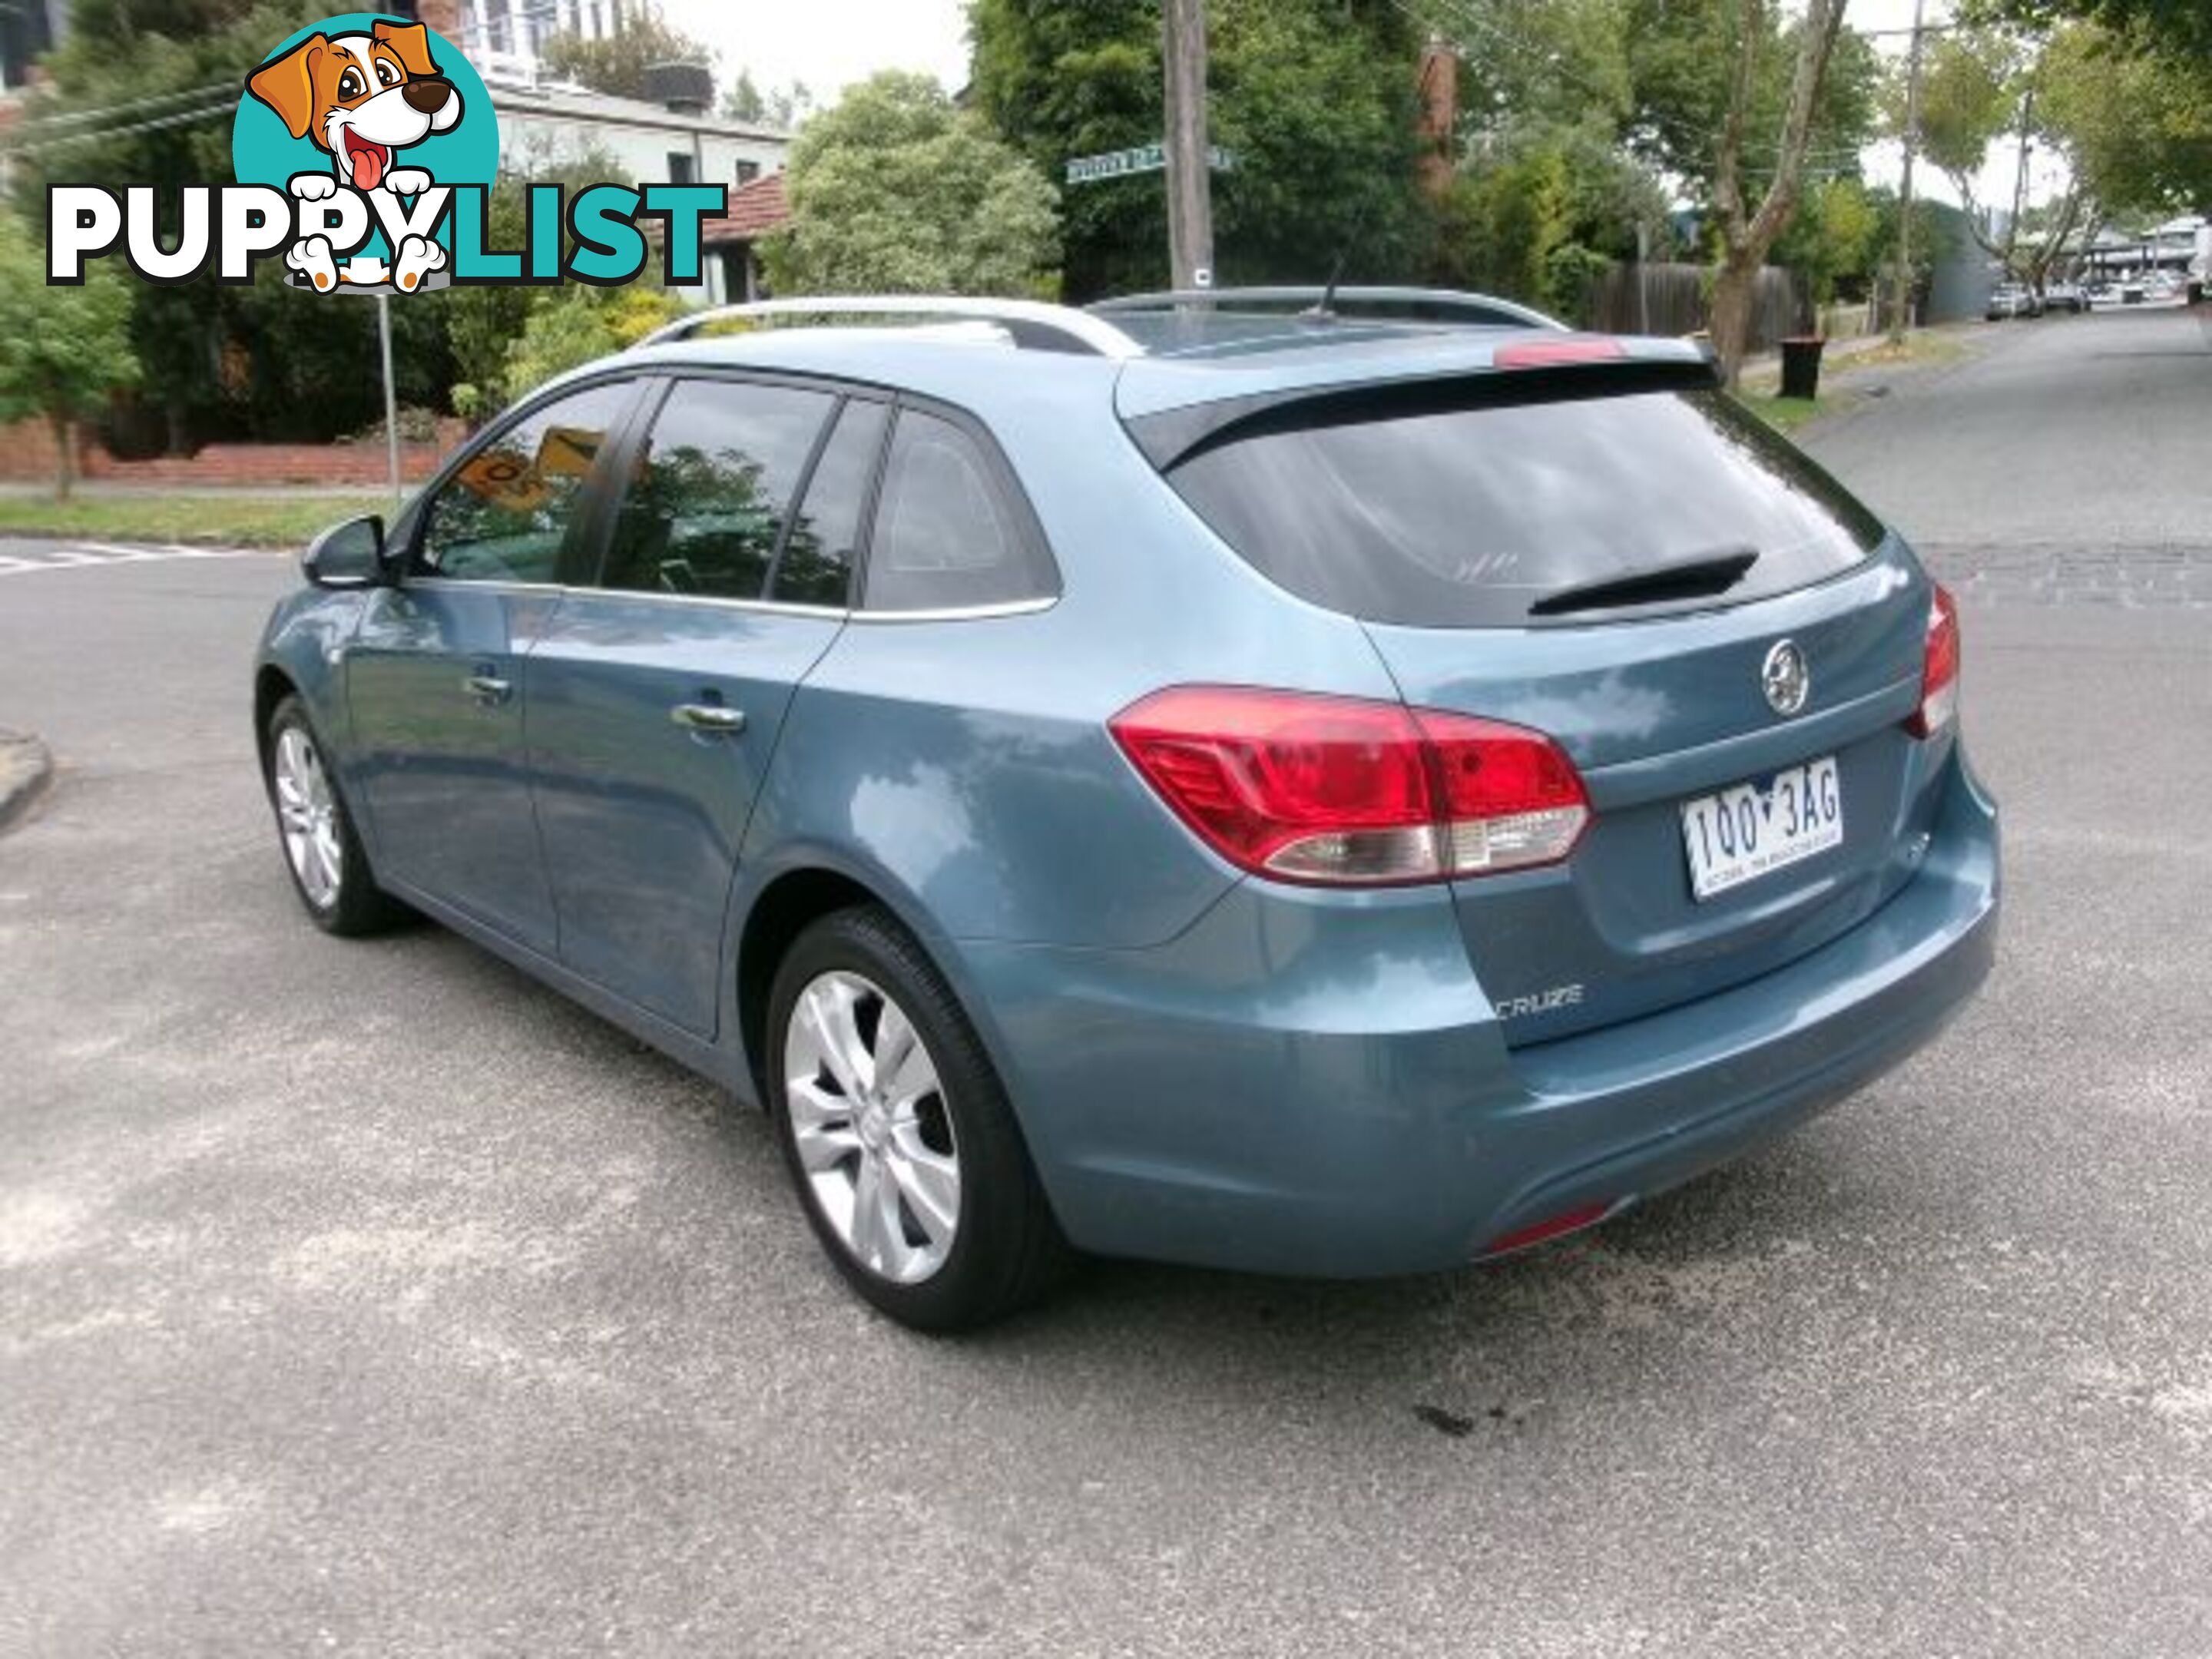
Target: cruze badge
x,y
1785,678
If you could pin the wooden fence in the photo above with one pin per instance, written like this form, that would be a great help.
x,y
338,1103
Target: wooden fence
x,y
1676,299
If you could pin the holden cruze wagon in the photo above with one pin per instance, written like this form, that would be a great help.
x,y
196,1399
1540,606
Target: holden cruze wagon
x,y
1343,791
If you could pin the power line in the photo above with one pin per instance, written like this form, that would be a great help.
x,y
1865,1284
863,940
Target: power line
x,y
74,117
39,146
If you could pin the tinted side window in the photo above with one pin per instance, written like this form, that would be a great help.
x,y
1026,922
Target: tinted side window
x,y
504,514
1467,516
707,501
944,536
817,567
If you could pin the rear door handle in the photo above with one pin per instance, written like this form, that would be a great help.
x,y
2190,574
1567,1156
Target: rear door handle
x,y
715,719
487,688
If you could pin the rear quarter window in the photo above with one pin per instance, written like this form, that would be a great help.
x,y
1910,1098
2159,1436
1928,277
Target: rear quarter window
x,y
1467,513
949,532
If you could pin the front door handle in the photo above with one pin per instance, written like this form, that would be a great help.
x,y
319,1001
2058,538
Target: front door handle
x,y
487,688
715,719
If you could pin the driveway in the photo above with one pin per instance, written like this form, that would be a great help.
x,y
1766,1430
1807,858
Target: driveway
x,y
368,1298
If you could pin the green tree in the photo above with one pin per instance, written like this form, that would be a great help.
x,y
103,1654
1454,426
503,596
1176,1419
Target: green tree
x,y
2131,89
1742,101
1537,213
2136,126
783,107
63,349
1316,99
1833,239
581,326
897,190
616,65
480,322
2180,28
145,90
1976,87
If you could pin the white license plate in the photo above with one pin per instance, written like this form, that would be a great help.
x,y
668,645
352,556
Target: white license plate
x,y
1744,832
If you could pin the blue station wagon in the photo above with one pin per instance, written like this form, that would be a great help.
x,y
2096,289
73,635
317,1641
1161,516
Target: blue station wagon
x,y
1341,788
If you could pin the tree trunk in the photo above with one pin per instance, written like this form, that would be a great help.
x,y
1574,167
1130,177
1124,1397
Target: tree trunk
x,y
1746,233
1735,290
64,431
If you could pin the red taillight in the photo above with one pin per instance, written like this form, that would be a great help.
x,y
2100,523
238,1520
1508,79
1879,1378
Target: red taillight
x,y
1340,790
1543,353
1939,679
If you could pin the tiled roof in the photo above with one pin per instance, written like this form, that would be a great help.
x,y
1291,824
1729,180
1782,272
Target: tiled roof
x,y
754,209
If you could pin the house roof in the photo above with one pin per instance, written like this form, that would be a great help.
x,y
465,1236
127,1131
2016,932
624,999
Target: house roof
x,y
756,209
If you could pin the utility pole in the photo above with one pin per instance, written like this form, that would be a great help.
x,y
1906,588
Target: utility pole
x,y
2020,185
1899,316
1190,183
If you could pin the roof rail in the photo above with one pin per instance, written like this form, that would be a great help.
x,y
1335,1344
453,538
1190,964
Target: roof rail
x,y
1450,303
1031,324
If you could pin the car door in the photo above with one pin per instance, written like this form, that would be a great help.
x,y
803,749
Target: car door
x,y
434,679
657,692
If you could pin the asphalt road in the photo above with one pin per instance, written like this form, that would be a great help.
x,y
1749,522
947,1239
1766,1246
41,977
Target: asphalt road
x,y
366,1298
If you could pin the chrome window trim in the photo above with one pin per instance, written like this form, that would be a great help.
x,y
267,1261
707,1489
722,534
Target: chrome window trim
x,y
424,579
774,607
769,607
963,612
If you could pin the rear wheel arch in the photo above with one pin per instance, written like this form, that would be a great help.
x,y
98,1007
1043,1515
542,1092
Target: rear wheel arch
x,y
271,685
785,908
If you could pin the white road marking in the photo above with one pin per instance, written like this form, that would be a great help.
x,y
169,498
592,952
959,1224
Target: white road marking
x,y
77,555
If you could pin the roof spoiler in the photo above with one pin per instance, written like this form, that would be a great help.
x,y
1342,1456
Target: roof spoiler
x,y
1174,435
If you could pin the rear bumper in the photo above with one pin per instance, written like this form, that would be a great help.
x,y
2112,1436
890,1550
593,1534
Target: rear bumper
x,y
1315,1084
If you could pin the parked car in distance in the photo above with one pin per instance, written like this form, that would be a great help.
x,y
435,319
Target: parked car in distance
x,y
2010,300
2065,297
1347,783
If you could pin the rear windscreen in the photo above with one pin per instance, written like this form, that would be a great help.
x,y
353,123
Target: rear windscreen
x,y
1467,516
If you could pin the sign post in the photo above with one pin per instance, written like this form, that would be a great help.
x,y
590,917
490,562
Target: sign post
x,y
390,396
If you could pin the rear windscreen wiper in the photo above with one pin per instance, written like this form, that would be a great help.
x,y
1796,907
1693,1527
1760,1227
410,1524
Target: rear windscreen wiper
x,y
1700,578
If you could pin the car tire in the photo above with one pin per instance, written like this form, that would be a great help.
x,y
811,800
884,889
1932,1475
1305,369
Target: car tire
x,y
918,1183
314,831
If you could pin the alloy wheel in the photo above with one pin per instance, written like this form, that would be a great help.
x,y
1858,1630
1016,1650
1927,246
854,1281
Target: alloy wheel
x,y
870,1126
306,812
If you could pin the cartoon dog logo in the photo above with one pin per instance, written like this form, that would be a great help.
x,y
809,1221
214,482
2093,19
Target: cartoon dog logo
x,y
362,98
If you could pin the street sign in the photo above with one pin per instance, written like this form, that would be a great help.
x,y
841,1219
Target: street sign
x,y
1145,158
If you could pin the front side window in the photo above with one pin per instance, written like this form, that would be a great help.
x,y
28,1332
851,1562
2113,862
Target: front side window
x,y
504,515
945,536
711,489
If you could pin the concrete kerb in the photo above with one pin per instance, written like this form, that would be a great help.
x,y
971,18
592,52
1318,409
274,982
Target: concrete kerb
x,y
25,767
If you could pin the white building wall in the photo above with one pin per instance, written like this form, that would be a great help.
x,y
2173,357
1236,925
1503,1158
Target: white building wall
x,y
639,149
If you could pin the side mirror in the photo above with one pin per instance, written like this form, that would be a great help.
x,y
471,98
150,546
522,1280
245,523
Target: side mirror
x,y
348,555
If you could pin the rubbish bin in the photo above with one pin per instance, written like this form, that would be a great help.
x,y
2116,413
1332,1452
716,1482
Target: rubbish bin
x,y
1801,366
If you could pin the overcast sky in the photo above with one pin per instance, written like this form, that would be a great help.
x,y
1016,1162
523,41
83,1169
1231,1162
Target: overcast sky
x,y
829,44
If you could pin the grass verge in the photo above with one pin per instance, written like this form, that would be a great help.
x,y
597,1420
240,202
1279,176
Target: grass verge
x,y
226,520
1788,414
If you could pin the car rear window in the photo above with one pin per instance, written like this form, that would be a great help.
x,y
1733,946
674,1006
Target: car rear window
x,y
1463,513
